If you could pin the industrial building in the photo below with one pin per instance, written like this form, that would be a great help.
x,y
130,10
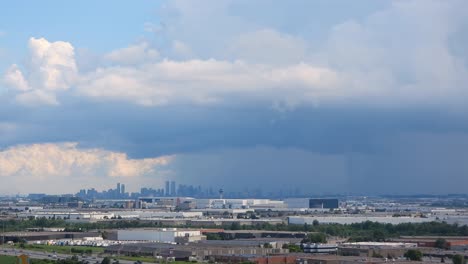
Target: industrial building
x,y
312,203
67,214
370,249
351,219
200,251
451,242
256,234
37,236
164,235
237,203
320,248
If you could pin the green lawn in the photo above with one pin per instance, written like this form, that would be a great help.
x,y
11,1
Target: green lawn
x,y
149,260
143,259
60,249
7,260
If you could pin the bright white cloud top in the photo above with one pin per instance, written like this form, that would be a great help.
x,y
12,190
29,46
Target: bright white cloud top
x,y
371,61
62,162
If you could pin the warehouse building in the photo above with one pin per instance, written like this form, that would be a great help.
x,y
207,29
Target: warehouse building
x,y
200,251
164,235
351,219
312,203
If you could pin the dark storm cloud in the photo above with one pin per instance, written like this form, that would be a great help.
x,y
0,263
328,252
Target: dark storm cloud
x,y
367,97
145,132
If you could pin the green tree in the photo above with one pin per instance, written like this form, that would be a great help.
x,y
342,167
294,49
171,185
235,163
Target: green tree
x,y
458,259
292,247
213,236
315,238
106,260
235,226
413,254
267,245
441,243
378,235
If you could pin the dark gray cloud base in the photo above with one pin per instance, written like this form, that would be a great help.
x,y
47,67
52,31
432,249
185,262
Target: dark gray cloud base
x,y
326,96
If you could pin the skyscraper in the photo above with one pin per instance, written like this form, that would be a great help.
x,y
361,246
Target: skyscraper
x,y
173,188
118,188
122,189
167,189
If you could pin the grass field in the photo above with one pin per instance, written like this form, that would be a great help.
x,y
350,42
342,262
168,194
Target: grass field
x,y
143,259
7,259
149,260
60,249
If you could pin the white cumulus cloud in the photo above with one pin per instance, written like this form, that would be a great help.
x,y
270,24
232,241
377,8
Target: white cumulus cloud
x,y
62,162
207,81
399,55
14,78
51,67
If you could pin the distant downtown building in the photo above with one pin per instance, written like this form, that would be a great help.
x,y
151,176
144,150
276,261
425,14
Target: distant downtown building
x,y
173,188
167,190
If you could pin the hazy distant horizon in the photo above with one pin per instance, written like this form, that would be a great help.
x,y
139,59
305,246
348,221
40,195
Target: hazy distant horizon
x,y
332,97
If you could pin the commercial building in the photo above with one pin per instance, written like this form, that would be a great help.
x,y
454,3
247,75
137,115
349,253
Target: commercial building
x,y
173,188
324,203
320,248
167,190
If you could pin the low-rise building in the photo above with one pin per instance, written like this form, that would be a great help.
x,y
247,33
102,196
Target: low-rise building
x,y
165,235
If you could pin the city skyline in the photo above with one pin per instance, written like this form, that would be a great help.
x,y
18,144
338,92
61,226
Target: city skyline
x,y
327,96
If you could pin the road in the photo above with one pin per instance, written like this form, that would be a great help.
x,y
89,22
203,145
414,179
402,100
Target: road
x,y
47,255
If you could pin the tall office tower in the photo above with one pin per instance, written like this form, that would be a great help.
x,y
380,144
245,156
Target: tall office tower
x,y
167,188
122,188
173,188
118,187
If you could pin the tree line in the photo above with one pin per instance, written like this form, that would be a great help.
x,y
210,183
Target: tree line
x,y
365,231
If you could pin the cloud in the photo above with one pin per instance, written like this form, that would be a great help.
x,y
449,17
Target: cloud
x,y
14,78
391,57
133,54
37,97
61,162
50,68
182,50
268,46
53,64
402,53
206,82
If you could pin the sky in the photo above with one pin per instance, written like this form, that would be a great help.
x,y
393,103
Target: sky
x,y
327,97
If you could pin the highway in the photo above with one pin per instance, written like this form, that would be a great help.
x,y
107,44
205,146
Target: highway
x,y
47,255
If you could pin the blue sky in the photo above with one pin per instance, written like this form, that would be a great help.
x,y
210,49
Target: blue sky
x,y
325,96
